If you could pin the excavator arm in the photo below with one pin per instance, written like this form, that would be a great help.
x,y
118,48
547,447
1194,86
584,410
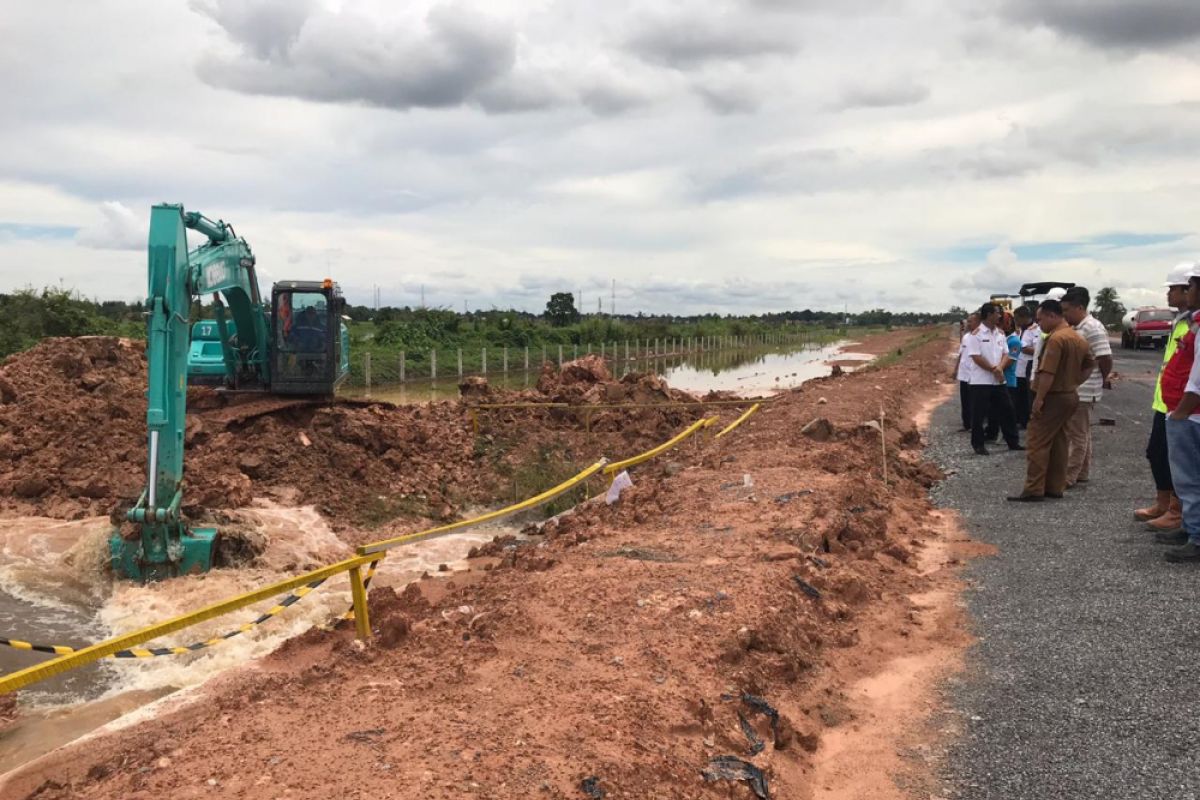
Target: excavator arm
x,y
158,543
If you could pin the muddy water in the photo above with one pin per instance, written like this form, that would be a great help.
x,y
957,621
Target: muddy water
x,y
55,589
747,372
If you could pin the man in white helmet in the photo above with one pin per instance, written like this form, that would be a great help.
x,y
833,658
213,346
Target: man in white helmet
x,y
1164,513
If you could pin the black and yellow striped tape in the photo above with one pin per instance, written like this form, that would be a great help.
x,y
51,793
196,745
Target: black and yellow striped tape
x,y
151,652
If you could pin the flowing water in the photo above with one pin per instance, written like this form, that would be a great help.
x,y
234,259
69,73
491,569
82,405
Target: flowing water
x,y
750,373
54,589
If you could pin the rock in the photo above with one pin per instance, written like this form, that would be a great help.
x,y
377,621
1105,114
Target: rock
x,y
836,371
589,369
110,389
673,468
474,387
252,466
91,380
783,552
821,401
8,392
819,430
31,486
393,630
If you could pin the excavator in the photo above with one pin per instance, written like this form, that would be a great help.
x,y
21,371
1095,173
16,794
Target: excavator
x,y
294,345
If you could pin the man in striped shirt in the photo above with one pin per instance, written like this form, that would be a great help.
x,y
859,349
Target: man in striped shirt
x,y
1079,430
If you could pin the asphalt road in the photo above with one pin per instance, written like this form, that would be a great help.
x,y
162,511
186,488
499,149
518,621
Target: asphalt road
x,y
1084,682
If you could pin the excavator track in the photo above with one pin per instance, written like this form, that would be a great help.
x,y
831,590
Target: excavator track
x,y
241,409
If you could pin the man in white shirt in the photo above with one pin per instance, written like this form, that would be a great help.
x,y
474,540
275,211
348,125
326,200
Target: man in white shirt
x,y
1079,430
1031,334
987,355
1183,449
961,374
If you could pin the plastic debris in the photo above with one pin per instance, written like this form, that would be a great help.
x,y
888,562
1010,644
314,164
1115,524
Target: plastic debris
x,y
732,768
807,587
591,787
619,484
756,742
760,705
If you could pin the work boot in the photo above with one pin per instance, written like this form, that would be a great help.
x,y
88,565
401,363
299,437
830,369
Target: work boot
x,y
1171,520
1174,537
1187,554
981,451
1162,503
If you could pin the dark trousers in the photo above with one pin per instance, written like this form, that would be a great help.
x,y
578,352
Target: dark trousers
x,y
1046,456
1156,451
992,403
964,399
1022,401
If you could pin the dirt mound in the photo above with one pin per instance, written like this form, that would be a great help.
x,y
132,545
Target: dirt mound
x,y
72,432
72,443
72,440
587,381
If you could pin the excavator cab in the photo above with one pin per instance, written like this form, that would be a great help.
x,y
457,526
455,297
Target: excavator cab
x,y
311,352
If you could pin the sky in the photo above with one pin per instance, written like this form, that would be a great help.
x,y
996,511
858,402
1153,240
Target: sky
x,y
729,156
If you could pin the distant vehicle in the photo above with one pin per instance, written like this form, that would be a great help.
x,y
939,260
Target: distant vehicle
x,y
1146,326
1031,292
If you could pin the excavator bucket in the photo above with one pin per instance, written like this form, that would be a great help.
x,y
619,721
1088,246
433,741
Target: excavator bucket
x,y
189,553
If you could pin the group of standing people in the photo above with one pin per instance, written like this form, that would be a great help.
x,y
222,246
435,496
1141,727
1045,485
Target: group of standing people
x,y
1044,372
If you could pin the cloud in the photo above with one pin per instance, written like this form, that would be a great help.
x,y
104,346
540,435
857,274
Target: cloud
x,y
267,28
724,96
118,228
884,94
686,41
449,59
1143,24
1001,275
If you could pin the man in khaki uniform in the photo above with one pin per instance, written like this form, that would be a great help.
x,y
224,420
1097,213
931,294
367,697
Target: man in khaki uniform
x,y
1079,431
1065,363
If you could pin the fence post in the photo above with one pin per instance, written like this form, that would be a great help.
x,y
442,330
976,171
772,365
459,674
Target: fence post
x,y
589,348
362,623
602,351
402,366
560,356
526,358
483,361
433,363
574,350
367,371
626,349
506,359
460,363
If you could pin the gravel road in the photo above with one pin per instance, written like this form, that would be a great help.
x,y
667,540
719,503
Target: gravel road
x,y
1083,683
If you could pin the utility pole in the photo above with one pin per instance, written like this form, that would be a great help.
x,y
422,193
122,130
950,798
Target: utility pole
x,y
612,305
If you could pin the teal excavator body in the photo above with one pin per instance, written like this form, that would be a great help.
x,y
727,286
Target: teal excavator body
x,y
257,342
